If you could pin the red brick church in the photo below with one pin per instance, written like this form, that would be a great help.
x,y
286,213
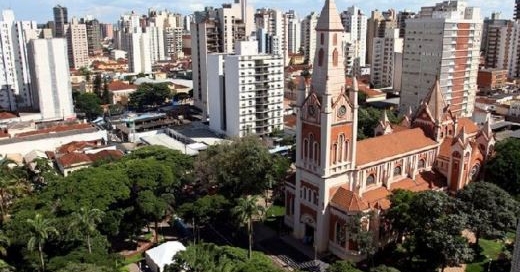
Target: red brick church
x,y
337,176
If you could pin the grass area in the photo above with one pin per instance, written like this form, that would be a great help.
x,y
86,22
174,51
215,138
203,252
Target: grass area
x,y
491,249
275,211
133,259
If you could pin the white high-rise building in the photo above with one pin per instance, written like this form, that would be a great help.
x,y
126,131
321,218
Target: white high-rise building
x,y
77,43
355,23
216,31
442,42
52,89
309,36
247,95
294,33
386,66
15,82
156,42
274,27
138,54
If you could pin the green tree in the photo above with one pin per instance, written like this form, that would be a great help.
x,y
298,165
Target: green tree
x,y
13,185
153,208
384,268
246,210
504,168
96,85
4,243
85,221
399,212
203,211
491,211
40,229
243,167
342,266
89,104
150,95
84,267
107,98
84,71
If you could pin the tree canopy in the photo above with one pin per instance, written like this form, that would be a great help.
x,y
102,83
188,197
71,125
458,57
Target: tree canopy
x,y
150,95
89,104
504,168
342,266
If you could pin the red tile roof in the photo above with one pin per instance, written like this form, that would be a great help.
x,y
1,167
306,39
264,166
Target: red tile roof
x,y
290,120
119,85
59,128
106,155
7,115
348,200
468,124
377,198
4,133
390,145
73,159
75,146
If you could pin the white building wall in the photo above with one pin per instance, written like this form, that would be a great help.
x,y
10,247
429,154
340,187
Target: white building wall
x,y
52,90
384,64
77,44
308,36
355,23
48,144
429,52
15,84
216,103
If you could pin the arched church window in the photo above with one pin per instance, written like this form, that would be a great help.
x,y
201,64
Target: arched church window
x,y
311,141
475,170
341,146
322,38
341,234
316,151
371,179
320,57
421,163
335,39
334,154
335,58
305,148
346,150
397,171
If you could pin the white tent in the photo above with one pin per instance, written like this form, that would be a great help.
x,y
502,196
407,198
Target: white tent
x,y
159,256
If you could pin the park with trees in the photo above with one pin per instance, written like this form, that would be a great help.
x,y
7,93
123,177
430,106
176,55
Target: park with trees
x,y
81,222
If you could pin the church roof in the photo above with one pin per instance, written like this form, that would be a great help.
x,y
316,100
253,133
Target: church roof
x,y
375,149
436,102
348,201
469,126
329,18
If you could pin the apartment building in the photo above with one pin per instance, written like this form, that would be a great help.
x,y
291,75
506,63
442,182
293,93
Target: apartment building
x,y
355,22
77,43
377,25
386,66
443,42
248,91
309,36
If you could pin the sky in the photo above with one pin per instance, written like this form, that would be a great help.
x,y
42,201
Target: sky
x,y
108,11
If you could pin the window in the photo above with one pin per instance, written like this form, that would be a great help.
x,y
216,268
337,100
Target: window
x,y
397,171
322,38
421,163
341,234
335,58
335,39
311,141
371,179
320,57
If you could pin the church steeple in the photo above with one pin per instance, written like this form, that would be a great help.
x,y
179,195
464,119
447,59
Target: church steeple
x,y
328,75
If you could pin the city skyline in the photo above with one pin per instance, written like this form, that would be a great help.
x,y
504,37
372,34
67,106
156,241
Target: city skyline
x,y
109,11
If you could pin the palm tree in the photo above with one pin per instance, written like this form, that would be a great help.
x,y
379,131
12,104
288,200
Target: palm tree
x,y
4,243
12,185
247,208
86,221
40,228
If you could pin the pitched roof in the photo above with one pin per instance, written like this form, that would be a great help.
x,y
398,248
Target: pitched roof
x,y
375,149
436,102
71,159
53,129
7,115
377,198
75,146
106,155
467,124
329,17
348,200
119,85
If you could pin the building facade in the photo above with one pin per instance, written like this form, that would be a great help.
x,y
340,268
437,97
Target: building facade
x,y
60,20
377,25
338,177
15,82
309,36
248,92
52,89
215,31
443,42
386,65
294,32
138,52
77,44
355,23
